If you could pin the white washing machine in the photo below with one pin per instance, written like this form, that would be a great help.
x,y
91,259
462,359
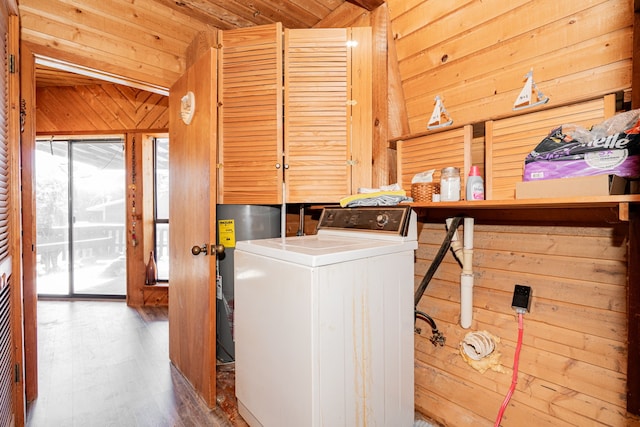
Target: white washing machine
x,y
324,323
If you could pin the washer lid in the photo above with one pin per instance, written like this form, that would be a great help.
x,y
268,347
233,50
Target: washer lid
x,y
317,250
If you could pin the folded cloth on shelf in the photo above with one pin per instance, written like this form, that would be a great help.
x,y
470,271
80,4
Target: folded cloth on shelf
x,y
379,198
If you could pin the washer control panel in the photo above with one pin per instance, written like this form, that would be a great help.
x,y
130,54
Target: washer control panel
x,y
388,219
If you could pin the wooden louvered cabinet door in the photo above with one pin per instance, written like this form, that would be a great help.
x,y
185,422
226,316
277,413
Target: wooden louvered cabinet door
x,y
250,115
325,97
287,113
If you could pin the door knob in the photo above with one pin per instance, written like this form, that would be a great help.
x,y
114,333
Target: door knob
x,y
196,250
217,250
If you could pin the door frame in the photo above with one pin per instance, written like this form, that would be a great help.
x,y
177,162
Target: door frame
x,y
29,290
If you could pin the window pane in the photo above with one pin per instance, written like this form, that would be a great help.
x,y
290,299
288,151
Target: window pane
x,y
162,178
162,207
162,251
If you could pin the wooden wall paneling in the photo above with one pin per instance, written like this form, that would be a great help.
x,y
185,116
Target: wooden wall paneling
x,y
27,153
450,147
416,23
398,8
478,154
99,108
50,112
633,298
135,249
116,99
152,111
367,4
509,140
146,40
537,49
480,80
88,111
573,359
361,130
201,43
379,122
119,37
614,78
398,119
250,115
343,16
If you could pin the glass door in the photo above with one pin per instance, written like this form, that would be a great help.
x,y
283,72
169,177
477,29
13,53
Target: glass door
x,y
80,217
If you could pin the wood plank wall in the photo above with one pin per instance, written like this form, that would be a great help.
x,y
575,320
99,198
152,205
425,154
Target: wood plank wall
x,y
99,108
573,360
573,364
476,54
142,40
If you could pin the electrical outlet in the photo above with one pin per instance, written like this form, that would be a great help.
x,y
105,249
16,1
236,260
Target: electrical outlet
x,y
521,302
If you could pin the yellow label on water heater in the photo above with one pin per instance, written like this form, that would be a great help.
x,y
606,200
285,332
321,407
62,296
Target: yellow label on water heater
x,y
227,233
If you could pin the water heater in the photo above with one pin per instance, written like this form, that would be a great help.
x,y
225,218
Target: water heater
x,y
236,223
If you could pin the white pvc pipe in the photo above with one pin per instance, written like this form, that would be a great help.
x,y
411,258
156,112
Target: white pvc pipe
x,y
466,278
466,300
467,253
468,233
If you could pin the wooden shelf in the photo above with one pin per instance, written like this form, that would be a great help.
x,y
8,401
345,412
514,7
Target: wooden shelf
x,y
575,209
573,202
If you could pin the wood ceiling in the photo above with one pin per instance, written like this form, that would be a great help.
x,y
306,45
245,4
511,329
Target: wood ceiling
x,y
145,41
229,14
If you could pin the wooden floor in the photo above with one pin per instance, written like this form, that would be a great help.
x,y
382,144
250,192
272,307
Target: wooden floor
x,y
102,363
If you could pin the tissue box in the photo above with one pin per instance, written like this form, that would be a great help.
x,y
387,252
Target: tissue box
x,y
596,185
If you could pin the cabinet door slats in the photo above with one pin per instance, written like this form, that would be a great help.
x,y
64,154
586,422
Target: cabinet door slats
x,y
250,115
316,115
451,147
286,115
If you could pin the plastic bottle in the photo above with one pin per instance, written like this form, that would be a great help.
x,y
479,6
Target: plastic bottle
x,y
475,185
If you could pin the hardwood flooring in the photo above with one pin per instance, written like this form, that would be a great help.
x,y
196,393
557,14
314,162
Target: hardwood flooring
x,y
101,363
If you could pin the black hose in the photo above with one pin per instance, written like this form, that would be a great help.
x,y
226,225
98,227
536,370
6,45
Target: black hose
x,y
428,319
446,244
437,338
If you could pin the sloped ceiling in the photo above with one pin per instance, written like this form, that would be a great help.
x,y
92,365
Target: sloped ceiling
x,y
144,42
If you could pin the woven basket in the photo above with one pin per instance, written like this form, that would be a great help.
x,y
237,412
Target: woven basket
x,y
422,192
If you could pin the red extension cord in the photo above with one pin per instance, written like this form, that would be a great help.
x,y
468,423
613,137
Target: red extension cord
x,y
514,379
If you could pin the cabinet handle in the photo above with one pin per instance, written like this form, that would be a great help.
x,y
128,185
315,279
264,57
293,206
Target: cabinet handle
x,y
286,166
277,165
